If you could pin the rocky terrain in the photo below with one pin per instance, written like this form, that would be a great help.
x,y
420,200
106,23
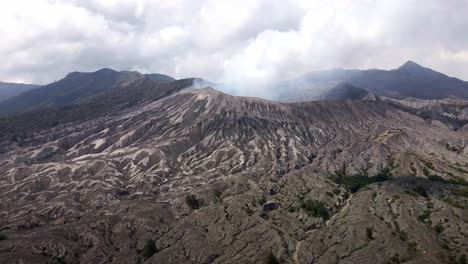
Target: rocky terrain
x,y
453,113
154,171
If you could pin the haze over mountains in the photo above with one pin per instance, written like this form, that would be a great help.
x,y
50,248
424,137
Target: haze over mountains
x,y
8,90
122,167
409,80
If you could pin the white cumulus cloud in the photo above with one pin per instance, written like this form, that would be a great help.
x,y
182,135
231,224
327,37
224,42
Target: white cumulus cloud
x,y
247,43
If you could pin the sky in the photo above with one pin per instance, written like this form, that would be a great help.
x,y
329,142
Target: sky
x,y
250,43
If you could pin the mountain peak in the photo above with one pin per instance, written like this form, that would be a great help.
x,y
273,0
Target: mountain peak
x,y
103,70
410,65
106,70
83,73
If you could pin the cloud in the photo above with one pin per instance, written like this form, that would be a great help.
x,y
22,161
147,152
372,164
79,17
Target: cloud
x,y
246,43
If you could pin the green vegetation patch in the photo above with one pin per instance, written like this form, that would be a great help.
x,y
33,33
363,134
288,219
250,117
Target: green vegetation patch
x,y
461,192
425,215
458,181
149,249
453,203
429,165
272,259
315,208
439,228
451,148
421,190
358,181
193,202
413,249
462,259
370,233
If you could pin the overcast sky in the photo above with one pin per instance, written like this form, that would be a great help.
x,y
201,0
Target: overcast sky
x,y
229,41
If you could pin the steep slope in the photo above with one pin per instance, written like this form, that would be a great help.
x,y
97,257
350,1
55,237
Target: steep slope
x,y
110,103
409,80
8,90
453,113
199,176
75,88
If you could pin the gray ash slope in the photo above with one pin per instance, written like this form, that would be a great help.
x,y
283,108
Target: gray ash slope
x,y
198,176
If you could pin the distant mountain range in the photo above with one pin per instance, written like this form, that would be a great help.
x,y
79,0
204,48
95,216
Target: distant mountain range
x,y
76,87
8,90
409,80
